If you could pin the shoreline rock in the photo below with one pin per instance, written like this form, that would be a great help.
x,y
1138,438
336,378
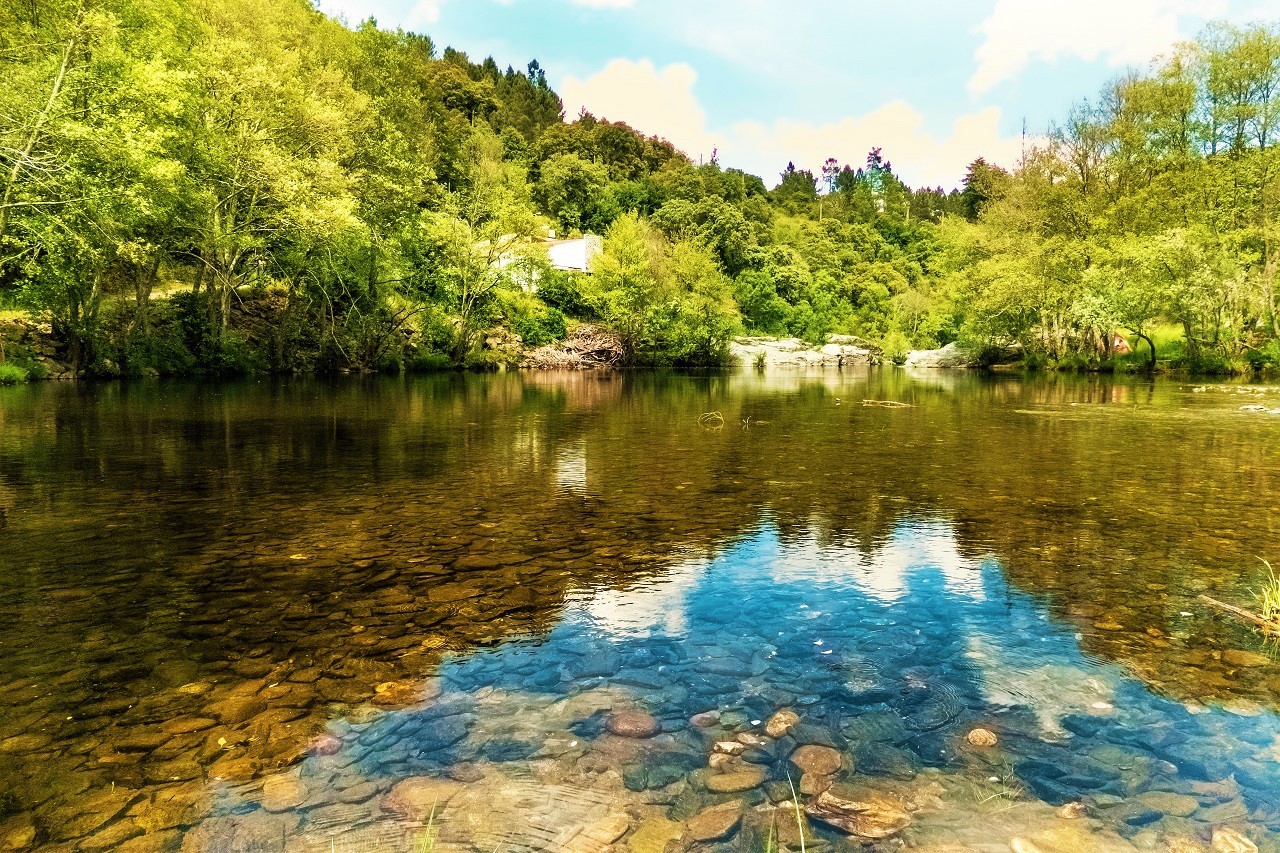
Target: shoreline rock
x,y
838,351
949,357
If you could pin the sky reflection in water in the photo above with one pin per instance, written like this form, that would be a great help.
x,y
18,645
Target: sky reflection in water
x,y
200,578
893,653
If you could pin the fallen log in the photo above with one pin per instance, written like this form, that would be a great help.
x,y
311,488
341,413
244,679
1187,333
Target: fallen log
x,y
1240,613
888,404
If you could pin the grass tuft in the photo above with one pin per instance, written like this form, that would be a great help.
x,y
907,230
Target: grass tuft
x,y
1269,595
795,804
12,374
427,841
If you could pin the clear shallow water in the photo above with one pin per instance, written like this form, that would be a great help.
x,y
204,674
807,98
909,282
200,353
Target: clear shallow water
x,y
237,617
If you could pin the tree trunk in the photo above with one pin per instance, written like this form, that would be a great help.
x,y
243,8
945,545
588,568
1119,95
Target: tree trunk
x,y
1151,364
143,283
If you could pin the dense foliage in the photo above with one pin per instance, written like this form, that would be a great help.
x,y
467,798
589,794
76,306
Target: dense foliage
x,y
229,186
1154,206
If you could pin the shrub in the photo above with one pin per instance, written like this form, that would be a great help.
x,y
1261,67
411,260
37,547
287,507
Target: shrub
x,y
563,291
12,374
895,347
536,323
1266,359
1033,361
426,361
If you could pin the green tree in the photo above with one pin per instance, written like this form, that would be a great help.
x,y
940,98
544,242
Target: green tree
x,y
569,189
628,289
475,242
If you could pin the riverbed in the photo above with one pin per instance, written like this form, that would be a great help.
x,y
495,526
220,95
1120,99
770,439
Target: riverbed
x,y
551,611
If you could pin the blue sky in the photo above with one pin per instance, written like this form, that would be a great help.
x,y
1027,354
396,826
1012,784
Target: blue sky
x,y
934,83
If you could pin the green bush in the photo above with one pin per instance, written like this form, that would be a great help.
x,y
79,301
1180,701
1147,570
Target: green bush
x,y
236,356
763,310
536,323
563,291
697,338
12,374
1033,360
895,347
1265,359
1078,362
426,361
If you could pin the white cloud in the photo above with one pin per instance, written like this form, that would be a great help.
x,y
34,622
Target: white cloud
x,y
605,4
663,102
1120,32
424,12
919,157
657,102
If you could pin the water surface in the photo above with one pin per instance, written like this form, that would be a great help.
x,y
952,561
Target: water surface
x,y
238,616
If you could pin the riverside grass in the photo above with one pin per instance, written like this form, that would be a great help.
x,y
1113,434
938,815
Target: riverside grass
x,y
1269,595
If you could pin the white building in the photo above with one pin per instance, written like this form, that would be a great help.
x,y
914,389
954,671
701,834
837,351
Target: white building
x,y
574,255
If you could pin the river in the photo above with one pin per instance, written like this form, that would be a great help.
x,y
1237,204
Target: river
x,y
563,612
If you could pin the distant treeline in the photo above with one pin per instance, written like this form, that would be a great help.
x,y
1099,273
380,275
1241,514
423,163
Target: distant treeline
x,y
228,186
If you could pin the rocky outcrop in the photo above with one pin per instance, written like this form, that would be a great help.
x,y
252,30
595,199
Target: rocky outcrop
x,y
838,351
950,356
26,340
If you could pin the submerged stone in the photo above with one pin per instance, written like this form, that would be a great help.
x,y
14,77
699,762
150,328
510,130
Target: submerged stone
x,y
282,793
599,836
654,834
817,760
781,723
982,738
1178,805
417,798
716,823
632,724
865,815
1240,657
1228,840
735,781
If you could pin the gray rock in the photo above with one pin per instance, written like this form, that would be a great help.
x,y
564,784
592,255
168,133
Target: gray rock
x,y
950,356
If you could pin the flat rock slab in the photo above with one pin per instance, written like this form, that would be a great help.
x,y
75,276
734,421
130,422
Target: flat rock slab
x,y
818,760
738,780
857,814
716,823
418,797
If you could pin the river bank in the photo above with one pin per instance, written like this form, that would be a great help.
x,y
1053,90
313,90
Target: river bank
x,y
30,351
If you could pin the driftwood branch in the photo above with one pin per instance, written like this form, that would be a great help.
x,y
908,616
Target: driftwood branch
x,y
588,348
1240,613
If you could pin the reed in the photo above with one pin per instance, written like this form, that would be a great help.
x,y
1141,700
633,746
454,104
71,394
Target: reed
x,y
1269,595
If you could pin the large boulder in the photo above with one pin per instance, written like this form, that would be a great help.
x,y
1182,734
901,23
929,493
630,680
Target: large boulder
x,y
950,356
839,350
